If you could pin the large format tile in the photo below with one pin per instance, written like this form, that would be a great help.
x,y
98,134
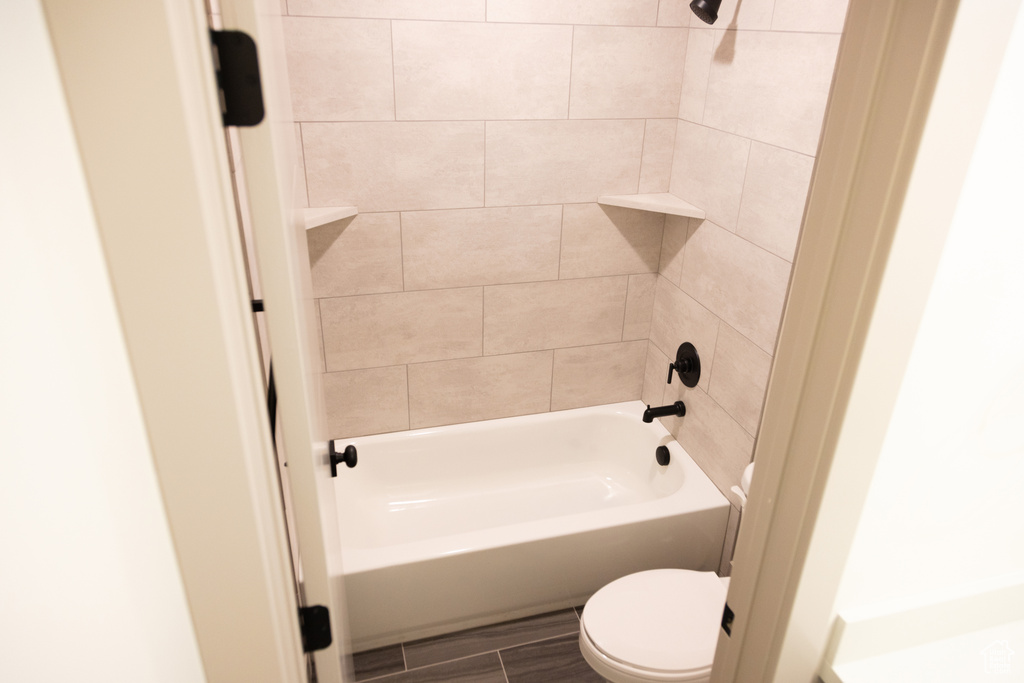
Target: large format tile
x,y
472,389
361,402
450,10
826,16
484,668
708,169
715,441
774,195
608,240
699,48
655,374
611,12
339,69
554,162
395,166
378,662
358,255
736,280
636,323
475,71
677,319
774,88
740,377
488,638
408,327
555,659
674,13
626,72
677,228
549,315
656,166
464,247
595,375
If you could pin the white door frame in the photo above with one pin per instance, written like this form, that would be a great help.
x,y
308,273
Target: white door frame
x,y
912,84
139,84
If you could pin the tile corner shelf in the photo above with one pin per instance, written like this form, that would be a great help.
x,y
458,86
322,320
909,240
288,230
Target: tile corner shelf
x,y
660,202
314,218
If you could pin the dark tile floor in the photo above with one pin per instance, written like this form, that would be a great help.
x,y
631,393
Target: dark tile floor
x,y
539,649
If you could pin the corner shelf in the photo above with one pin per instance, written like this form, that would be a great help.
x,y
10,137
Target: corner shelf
x,y
660,202
314,218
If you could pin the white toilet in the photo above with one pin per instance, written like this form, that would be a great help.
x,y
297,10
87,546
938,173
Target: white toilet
x,y
657,625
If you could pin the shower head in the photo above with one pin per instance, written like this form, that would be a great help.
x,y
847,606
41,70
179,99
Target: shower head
x,y
706,10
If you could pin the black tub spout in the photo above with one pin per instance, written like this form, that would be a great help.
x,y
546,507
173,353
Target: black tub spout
x,y
677,409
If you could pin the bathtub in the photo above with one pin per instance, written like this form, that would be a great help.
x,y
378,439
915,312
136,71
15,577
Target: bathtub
x,y
453,527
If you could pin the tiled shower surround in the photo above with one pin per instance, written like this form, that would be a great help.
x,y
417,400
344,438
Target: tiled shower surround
x,y
481,279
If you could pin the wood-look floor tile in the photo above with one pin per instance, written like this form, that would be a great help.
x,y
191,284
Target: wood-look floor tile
x,y
485,668
378,662
556,660
487,638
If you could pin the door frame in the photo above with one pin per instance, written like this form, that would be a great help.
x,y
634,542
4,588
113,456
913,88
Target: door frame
x,y
912,84
140,88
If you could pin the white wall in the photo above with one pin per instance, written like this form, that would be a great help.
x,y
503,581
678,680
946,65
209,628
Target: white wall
x,y
89,584
944,505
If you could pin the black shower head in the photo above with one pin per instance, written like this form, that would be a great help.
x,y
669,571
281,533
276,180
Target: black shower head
x,y
706,10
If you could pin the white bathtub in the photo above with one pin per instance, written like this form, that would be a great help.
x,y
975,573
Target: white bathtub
x,y
453,527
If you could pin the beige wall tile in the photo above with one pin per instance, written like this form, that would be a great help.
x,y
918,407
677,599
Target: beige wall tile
x,y
716,442
738,281
656,166
774,195
361,402
451,392
740,378
465,247
626,72
612,12
339,69
548,315
677,319
708,170
301,197
395,166
822,16
655,374
459,71
554,162
451,10
358,255
409,327
752,15
677,229
595,375
608,240
773,88
318,332
674,13
639,306
699,48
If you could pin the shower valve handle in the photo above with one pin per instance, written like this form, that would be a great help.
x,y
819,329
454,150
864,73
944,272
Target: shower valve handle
x,y
687,365
349,457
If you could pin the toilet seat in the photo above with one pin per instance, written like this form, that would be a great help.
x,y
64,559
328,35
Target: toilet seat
x,y
658,625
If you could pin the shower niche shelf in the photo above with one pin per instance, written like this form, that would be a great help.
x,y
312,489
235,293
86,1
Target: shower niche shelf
x,y
314,218
659,202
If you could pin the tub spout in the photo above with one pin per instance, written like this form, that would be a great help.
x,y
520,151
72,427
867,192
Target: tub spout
x,y
677,409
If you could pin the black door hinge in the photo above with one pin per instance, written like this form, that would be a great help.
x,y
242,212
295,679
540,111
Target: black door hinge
x,y
238,78
315,626
727,619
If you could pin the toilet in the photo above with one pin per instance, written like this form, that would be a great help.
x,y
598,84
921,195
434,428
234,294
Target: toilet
x,y
657,625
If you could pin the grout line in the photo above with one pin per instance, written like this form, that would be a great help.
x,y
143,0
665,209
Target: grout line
x,y
502,662
305,173
394,83
707,85
408,415
401,248
551,390
572,52
561,223
625,307
643,149
405,662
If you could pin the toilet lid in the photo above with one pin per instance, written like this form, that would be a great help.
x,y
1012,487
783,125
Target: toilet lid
x,y
663,619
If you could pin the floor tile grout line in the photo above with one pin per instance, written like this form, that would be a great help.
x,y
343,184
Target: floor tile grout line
x,y
498,650
502,662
